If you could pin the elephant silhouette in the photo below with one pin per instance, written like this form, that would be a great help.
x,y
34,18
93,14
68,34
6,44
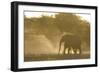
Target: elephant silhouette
x,y
70,42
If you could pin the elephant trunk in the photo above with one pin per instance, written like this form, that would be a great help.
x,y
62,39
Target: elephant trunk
x,y
59,47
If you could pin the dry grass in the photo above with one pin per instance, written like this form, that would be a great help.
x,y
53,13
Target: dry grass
x,y
45,57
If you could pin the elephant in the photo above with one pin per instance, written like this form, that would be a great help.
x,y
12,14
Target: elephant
x,y
70,41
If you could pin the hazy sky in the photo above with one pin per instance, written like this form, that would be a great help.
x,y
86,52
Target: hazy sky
x,y
38,14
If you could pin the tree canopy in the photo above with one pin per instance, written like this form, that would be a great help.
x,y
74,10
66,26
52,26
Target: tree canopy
x,y
62,22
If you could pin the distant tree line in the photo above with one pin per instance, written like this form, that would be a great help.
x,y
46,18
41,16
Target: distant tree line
x,y
54,26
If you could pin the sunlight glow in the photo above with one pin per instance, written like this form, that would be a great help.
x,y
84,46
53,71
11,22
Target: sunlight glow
x,y
85,17
39,14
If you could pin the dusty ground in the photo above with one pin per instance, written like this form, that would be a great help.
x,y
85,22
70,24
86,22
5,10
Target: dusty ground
x,y
40,48
55,57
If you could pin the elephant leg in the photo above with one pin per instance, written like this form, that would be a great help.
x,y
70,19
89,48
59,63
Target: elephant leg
x,y
72,50
64,52
80,52
75,50
69,49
